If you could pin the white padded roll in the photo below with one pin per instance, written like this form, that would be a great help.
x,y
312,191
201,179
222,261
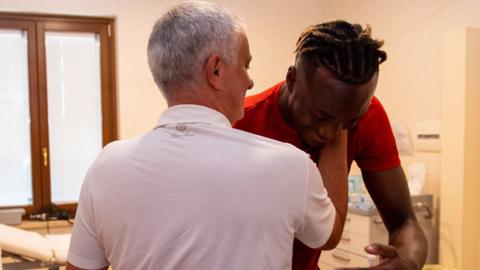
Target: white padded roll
x,y
60,244
25,243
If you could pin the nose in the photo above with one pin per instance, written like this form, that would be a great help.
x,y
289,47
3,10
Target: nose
x,y
250,85
329,132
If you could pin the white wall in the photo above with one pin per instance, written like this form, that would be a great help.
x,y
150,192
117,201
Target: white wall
x,y
410,80
412,30
272,29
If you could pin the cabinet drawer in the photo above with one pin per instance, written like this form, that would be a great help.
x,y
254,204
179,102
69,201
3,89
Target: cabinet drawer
x,y
354,243
339,258
357,224
324,266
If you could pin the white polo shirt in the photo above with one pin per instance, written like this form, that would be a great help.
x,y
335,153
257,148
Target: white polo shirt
x,y
194,193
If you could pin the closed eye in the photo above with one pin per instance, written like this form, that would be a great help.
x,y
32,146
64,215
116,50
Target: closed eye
x,y
320,115
321,118
349,124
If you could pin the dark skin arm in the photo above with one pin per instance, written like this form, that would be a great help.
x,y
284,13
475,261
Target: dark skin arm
x,y
332,164
407,247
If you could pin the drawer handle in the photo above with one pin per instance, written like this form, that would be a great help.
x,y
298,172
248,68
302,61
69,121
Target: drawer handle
x,y
340,257
420,205
348,239
378,221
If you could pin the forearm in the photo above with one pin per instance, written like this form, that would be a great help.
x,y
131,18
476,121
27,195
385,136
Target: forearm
x,y
333,168
410,242
389,191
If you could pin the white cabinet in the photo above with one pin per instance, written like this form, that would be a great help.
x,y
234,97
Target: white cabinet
x,y
359,231
364,227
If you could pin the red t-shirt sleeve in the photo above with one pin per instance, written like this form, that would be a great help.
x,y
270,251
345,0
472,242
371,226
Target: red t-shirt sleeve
x,y
376,148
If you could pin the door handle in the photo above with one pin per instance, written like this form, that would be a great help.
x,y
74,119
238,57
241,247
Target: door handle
x,y
45,156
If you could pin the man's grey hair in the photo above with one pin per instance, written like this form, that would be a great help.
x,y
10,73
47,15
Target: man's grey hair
x,y
184,38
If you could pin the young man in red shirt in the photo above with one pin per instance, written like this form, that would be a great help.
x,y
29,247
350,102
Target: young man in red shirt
x,y
328,93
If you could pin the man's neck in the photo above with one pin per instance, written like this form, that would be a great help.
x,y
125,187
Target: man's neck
x,y
190,96
202,99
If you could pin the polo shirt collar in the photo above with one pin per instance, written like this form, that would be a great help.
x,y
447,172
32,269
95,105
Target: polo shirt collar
x,y
190,113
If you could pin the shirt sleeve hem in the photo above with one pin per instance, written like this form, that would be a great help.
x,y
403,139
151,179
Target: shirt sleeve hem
x,y
375,165
86,263
329,229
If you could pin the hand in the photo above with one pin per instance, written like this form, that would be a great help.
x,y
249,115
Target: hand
x,y
389,259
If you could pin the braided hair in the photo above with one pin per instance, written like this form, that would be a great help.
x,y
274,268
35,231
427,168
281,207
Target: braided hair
x,y
345,49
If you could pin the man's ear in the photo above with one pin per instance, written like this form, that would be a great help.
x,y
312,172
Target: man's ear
x,y
291,78
214,71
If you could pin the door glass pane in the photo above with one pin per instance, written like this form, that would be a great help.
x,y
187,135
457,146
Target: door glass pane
x,y
74,109
15,149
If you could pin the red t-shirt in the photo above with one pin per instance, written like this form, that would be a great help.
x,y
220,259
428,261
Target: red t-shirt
x,y
370,143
